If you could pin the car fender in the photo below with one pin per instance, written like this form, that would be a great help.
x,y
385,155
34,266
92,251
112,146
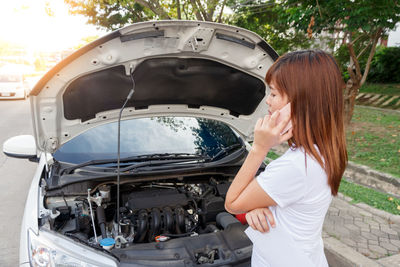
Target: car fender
x,y
30,217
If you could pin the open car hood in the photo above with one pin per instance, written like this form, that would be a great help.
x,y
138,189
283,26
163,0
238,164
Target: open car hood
x,y
180,68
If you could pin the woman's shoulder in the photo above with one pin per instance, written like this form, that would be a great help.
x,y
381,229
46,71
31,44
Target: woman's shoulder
x,y
292,155
288,163
297,160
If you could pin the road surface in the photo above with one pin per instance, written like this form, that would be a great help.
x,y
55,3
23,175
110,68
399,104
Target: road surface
x,y
15,178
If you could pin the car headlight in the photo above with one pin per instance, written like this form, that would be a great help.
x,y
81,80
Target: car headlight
x,y
49,250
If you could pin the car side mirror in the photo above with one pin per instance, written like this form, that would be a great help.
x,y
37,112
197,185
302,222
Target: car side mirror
x,y
21,146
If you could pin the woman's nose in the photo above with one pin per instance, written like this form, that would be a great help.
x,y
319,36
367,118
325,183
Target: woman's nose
x,y
267,101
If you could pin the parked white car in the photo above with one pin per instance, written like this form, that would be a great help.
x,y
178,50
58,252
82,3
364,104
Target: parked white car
x,y
193,92
12,86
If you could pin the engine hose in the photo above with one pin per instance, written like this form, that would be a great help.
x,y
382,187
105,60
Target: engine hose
x,y
181,235
168,220
155,223
178,235
142,226
179,220
101,219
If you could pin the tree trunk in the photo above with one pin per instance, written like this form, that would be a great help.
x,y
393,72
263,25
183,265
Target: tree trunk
x,y
357,79
154,6
350,94
196,10
178,9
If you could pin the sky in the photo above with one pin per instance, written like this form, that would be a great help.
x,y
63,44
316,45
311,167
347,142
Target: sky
x,y
394,37
26,23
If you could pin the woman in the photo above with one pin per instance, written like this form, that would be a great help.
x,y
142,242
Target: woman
x,y
297,187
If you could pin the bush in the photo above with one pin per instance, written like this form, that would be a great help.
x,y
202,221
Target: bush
x,y
385,65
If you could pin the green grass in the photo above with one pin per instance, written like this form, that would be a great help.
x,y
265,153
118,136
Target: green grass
x,y
378,88
272,155
370,197
373,139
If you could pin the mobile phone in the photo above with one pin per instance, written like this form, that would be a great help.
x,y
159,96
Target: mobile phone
x,y
283,112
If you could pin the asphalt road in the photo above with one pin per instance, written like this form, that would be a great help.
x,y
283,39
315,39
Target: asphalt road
x,y
15,178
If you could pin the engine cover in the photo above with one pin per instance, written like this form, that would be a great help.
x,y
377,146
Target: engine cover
x,y
156,198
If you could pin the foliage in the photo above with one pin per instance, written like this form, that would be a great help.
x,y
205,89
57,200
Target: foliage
x,y
373,139
385,65
262,17
114,14
362,16
342,56
370,197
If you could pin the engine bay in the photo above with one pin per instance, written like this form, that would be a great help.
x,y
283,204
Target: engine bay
x,y
150,212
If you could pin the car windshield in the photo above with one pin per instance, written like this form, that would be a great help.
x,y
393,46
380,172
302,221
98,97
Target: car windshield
x,y
10,78
147,136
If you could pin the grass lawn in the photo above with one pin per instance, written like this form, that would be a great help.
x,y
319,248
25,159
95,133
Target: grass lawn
x,y
373,139
378,88
370,197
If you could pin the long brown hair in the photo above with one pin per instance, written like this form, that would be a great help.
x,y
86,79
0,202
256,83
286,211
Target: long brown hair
x,y
314,85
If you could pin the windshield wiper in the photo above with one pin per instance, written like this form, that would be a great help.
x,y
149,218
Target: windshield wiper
x,y
165,157
226,150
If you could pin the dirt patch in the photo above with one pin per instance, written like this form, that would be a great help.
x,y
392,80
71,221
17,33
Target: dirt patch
x,y
363,126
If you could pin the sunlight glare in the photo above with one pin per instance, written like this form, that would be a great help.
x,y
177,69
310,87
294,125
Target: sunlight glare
x,y
42,25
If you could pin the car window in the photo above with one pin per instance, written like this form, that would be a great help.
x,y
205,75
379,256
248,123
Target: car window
x,y
149,136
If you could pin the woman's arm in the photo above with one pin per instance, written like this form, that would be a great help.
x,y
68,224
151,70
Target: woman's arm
x,y
245,193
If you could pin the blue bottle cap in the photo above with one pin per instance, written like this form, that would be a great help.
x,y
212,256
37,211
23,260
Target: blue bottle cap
x,y
107,242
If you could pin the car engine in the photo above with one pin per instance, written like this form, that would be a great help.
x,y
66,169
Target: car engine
x,y
149,212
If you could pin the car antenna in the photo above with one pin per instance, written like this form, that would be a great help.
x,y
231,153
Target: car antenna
x,y
119,140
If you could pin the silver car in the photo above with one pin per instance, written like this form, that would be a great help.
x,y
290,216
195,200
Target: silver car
x,y
137,137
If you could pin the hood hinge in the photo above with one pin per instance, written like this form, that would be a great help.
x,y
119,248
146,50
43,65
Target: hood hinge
x,y
51,144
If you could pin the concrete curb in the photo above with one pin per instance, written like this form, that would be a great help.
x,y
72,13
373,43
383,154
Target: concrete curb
x,y
366,176
339,254
381,213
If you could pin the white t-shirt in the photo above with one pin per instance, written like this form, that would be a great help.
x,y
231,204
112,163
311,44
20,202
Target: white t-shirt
x,y
303,197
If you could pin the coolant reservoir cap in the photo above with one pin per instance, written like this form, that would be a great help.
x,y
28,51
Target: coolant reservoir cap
x,y
107,243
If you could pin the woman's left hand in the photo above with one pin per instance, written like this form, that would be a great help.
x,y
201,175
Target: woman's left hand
x,y
257,219
267,133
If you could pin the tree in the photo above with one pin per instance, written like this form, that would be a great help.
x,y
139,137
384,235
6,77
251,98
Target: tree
x,y
262,17
358,25
114,14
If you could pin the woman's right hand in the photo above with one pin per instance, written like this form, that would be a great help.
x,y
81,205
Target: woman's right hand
x,y
267,133
257,219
